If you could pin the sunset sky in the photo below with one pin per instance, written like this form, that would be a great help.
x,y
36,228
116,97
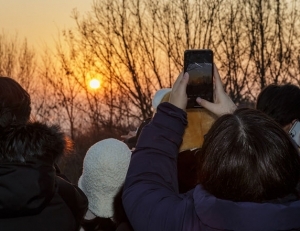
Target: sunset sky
x,y
39,21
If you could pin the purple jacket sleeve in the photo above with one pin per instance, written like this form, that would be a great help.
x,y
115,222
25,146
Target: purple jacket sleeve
x,y
150,198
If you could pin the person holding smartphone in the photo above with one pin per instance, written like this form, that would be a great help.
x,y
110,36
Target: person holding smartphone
x,y
282,103
248,171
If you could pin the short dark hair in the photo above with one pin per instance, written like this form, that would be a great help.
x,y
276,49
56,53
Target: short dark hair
x,y
247,156
14,103
282,103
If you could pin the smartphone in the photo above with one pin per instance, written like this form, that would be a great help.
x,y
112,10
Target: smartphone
x,y
199,65
295,132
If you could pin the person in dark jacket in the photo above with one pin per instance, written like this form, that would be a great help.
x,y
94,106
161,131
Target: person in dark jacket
x,y
34,195
248,171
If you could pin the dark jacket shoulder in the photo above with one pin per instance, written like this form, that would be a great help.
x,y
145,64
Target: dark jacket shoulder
x,y
32,191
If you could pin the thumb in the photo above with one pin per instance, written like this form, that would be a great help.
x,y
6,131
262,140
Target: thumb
x,y
217,108
207,105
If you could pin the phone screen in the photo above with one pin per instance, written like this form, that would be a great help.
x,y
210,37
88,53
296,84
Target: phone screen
x,y
295,132
199,65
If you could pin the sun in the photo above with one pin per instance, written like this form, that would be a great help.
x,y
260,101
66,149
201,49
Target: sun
x,y
94,83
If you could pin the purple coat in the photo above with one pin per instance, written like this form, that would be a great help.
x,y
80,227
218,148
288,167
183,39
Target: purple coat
x,y
152,201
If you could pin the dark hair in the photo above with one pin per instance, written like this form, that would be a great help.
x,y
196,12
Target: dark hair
x,y
282,103
14,103
247,156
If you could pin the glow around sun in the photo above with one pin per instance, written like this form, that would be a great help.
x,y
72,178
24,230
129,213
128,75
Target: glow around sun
x,y
95,83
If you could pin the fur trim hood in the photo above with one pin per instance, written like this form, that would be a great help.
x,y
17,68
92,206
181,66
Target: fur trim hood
x,y
27,173
33,140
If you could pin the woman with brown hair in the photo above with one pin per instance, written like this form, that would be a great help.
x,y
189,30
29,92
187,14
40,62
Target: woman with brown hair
x,y
248,171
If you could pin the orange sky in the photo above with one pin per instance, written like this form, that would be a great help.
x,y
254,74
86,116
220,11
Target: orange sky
x,y
39,21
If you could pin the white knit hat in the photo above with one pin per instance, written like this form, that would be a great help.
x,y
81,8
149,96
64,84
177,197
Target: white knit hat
x,y
104,170
158,96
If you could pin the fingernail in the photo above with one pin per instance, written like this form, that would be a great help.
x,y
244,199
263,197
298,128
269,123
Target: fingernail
x,y
198,99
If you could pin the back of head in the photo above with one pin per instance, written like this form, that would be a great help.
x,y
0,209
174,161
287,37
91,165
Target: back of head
x,y
280,102
246,156
104,170
14,103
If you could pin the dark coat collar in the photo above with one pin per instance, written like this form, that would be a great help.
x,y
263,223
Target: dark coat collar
x,y
27,173
32,141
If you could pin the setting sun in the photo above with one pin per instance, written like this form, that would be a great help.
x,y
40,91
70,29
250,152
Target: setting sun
x,y
95,83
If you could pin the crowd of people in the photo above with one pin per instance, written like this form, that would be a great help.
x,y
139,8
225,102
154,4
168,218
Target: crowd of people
x,y
247,171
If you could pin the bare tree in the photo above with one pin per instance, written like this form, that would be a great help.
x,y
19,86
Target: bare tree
x,y
136,47
272,36
113,38
19,61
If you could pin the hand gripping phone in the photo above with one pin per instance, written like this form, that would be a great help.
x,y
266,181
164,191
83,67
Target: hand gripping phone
x,y
295,132
199,65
